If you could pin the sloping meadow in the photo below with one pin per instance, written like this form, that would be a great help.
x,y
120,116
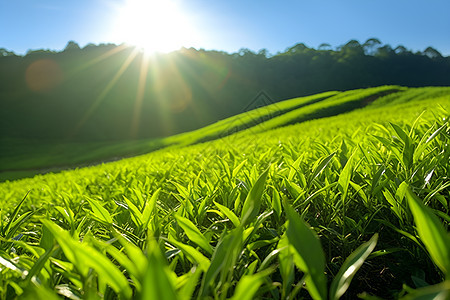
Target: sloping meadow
x,y
356,204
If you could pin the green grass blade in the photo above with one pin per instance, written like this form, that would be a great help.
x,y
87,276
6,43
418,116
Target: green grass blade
x,y
18,223
436,133
99,212
238,168
5,230
351,265
439,291
194,233
376,178
286,267
120,257
309,257
346,175
423,144
186,292
229,214
194,255
402,134
431,232
84,257
248,285
408,150
68,215
139,197
136,215
134,253
182,190
150,208
268,259
295,167
276,203
217,264
253,201
323,164
47,240
39,264
157,283
223,259
394,205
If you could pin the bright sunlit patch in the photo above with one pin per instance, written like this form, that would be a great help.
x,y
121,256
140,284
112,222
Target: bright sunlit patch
x,y
153,25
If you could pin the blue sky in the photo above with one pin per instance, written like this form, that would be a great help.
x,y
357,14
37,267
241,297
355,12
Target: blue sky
x,y
231,25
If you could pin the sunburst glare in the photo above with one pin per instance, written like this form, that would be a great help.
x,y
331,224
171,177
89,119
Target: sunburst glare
x,y
154,25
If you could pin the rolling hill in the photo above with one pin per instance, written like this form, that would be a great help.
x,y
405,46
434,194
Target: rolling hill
x,y
114,93
360,177
24,158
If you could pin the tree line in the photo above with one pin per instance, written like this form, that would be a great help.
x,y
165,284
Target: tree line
x,y
112,91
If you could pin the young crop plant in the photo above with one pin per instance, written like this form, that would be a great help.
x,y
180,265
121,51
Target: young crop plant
x,y
355,205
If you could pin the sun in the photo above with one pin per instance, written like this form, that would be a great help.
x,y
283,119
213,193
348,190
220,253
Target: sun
x,y
153,25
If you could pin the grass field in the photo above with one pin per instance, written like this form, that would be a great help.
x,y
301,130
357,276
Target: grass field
x,y
348,202
26,158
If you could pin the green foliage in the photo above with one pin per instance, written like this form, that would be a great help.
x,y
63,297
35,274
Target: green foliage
x,y
327,208
157,283
351,264
252,203
309,256
93,93
431,233
87,258
22,158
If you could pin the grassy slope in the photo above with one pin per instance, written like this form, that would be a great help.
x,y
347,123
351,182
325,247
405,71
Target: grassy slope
x,y
24,158
247,119
373,113
223,171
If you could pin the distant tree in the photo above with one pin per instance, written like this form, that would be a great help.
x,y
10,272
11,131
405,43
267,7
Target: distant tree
x,y
214,82
385,51
107,45
71,45
89,46
245,51
324,47
432,53
352,44
353,47
400,49
264,52
298,48
4,52
371,46
39,51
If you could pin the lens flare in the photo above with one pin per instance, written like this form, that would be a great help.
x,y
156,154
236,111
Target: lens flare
x,y
43,75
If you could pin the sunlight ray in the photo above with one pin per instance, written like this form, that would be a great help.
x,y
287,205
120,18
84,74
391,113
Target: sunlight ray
x,y
173,93
100,58
219,75
105,91
155,72
139,96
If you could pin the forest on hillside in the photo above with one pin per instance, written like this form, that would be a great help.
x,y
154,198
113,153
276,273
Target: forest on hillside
x,y
112,92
